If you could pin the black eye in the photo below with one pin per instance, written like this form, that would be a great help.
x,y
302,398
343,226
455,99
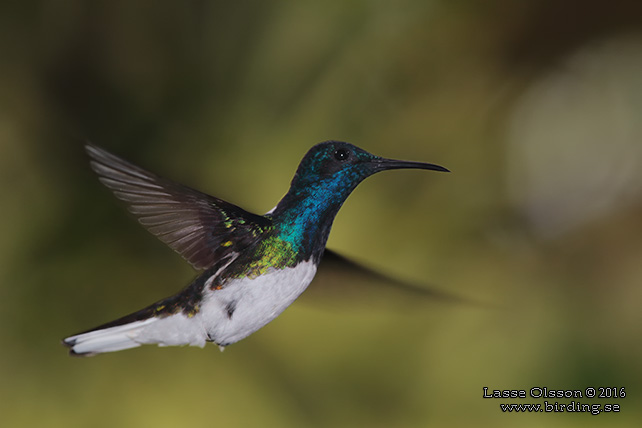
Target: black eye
x,y
341,154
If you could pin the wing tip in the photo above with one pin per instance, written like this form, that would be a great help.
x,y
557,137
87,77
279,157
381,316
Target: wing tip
x,y
93,150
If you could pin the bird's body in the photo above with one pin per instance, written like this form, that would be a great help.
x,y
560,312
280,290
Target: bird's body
x,y
222,316
254,266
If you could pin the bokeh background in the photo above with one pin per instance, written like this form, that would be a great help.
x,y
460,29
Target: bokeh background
x,y
536,107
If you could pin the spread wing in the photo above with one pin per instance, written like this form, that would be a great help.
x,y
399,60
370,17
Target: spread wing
x,y
201,228
357,284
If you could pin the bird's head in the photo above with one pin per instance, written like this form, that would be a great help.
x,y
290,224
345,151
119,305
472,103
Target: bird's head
x,y
339,167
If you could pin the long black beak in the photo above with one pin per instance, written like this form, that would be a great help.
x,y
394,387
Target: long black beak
x,y
382,164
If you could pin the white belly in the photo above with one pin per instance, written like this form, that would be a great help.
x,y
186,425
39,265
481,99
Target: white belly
x,y
239,309
245,305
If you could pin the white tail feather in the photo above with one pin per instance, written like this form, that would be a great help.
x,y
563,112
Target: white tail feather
x,y
108,339
173,330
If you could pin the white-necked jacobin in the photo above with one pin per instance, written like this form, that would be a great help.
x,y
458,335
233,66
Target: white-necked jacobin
x,y
254,266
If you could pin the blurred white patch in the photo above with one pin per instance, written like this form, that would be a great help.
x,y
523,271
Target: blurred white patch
x,y
575,139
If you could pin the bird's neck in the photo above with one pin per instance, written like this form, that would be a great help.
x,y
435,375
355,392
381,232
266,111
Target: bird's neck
x,y
304,217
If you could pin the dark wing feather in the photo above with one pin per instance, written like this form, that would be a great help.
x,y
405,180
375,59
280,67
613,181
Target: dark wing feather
x,y
201,228
357,284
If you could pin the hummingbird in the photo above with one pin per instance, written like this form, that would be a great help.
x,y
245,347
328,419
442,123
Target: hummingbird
x,y
253,266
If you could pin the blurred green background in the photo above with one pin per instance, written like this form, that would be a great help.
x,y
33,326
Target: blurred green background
x,y
534,105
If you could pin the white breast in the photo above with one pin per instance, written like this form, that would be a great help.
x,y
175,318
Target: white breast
x,y
247,304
